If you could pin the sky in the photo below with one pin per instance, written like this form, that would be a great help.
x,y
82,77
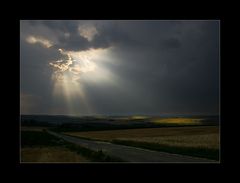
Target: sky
x,y
119,67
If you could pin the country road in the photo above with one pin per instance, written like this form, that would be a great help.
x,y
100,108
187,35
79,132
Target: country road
x,y
130,154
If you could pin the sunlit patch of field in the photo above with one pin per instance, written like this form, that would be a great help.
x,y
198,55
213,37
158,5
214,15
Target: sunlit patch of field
x,y
210,141
50,154
146,132
129,118
177,121
139,117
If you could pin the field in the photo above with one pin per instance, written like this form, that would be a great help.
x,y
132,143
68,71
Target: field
x,y
178,121
146,132
193,141
50,154
39,129
210,141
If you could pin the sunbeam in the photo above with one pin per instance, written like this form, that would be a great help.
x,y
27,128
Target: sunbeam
x,y
76,68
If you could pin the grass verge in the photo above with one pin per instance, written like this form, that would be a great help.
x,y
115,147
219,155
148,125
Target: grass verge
x,y
96,156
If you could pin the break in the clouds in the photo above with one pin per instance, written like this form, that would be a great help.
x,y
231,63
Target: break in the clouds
x,y
119,67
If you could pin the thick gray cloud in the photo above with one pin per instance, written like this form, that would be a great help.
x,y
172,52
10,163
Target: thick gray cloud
x,y
160,67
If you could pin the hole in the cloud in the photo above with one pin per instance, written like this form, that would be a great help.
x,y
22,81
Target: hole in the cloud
x,y
74,64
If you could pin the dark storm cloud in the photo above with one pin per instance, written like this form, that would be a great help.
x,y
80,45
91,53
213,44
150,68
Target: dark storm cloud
x,y
171,43
110,33
75,42
166,66
180,76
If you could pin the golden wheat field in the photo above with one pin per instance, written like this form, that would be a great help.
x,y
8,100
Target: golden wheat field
x,y
147,132
209,141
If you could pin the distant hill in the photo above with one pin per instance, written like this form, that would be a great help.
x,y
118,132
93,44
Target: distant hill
x,y
60,119
89,123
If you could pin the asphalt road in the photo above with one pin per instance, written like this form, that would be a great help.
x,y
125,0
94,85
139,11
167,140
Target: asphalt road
x,y
131,154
